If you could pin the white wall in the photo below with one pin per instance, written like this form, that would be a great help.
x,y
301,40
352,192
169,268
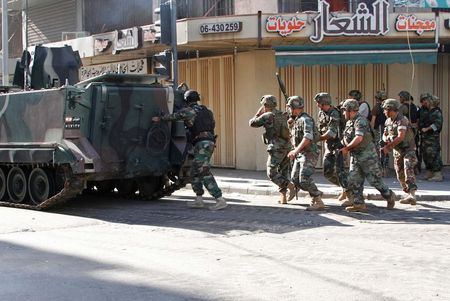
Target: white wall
x,y
243,7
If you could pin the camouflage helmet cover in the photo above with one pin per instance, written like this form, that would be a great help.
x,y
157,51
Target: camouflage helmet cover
x,y
426,96
323,98
435,101
356,94
269,100
191,96
405,95
295,102
391,104
350,105
381,95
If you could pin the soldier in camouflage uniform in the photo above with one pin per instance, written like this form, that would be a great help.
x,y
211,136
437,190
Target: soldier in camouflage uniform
x,y
399,136
423,121
201,133
377,124
306,152
276,137
331,126
358,140
431,147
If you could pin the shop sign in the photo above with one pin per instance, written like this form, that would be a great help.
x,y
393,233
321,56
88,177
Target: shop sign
x,y
362,23
101,45
126,67
282,26
221,27
412,23
149,33
126,39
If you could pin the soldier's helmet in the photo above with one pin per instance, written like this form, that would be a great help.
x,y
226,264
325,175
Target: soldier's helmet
x,y
295,102
426,96
191,96
350,105
323,98
391,104
435,101
381,95
269,100
405,95
356,94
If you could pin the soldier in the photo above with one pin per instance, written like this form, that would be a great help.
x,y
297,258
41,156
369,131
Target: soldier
x,y
364,108
200,123
358,140
409,110
377,124
306,152
276,137
423,120
399,136
331,124
431,147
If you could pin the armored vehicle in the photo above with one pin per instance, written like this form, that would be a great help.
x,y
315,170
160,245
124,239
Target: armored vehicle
x,y
94,135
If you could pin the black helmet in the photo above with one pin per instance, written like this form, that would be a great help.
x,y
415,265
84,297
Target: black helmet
x,y
355,94
191,96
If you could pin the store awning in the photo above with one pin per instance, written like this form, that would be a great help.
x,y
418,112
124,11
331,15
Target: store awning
x,y
356,54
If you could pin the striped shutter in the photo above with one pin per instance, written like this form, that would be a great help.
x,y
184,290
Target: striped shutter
x,y
46,23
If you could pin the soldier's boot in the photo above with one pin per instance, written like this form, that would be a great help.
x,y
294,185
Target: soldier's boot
x,y
428,175
343,196
220,204
292,191
282,199
316,204
437,177
349,201
356,208
410,198
391,200
198,203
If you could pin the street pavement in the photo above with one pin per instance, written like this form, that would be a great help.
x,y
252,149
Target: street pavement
x,y
257,183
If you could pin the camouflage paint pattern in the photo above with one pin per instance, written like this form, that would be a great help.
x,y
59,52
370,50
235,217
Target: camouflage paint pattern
x,y
306,161
431,146
278,164
363,160
201,169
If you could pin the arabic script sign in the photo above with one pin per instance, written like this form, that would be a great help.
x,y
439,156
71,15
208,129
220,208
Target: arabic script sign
x,y
283,26
126,67
362,23
411,23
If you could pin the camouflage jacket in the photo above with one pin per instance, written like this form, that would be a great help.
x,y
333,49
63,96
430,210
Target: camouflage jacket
x,y
276,130
330,124
187,114
435,121
304,127
358,126
391,131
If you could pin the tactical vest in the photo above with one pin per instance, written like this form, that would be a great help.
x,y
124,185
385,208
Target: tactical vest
x,y
278,128
349,134
428,122
204,124
301,130
392,130
324,121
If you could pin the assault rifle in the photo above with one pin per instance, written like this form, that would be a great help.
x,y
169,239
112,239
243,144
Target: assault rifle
x,y
382,157
282,87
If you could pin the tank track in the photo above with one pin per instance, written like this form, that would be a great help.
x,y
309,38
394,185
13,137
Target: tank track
x,y
72,186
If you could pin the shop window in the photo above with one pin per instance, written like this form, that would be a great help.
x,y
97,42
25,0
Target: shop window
x,y
294,6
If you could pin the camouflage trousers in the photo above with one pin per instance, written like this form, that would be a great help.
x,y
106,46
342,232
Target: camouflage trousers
x,y
278,167
431,154
364,165
302,171
201,170
334,172
404,163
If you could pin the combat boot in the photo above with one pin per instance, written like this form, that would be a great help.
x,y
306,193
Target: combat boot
x,y
349,201
391,200
198,203
410,198
282,199
292,191
343,196
316,204
220,204
437,177
356,208
428,175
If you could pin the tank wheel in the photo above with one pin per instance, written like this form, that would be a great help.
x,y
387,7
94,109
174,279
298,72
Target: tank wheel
x,y
125,188
148,186
40,186
17,185
2,185
104,186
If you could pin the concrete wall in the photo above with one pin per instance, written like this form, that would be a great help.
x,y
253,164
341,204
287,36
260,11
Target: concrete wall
x,y
253,6
254,77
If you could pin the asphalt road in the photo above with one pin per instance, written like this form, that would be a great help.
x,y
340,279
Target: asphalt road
x,y
104,248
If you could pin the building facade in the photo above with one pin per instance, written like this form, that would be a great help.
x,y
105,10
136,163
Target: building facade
x,y
230,51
